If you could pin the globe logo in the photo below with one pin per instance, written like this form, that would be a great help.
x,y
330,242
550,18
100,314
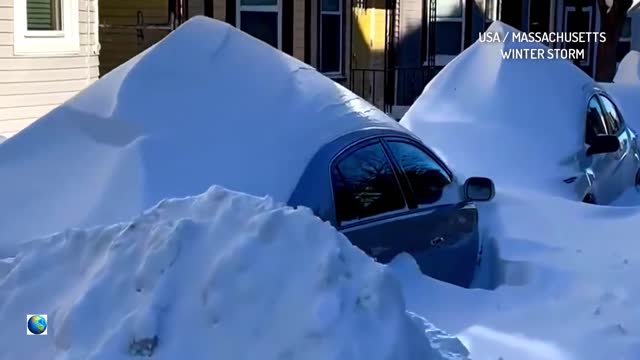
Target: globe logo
x,y
36,324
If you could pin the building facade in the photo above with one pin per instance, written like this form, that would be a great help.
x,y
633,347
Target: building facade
x,y
48,52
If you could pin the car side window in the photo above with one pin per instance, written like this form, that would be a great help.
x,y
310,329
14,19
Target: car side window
x,y
596,124
425,175
365,185
611,116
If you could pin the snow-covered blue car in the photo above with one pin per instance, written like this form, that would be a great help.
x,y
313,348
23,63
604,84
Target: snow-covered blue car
x,y
210,105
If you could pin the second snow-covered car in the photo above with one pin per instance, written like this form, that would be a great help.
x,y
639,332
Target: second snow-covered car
x,y
541,123
211,105
610,161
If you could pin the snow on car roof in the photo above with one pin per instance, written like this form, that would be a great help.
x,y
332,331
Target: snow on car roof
x,y
629,68
207,105
504,113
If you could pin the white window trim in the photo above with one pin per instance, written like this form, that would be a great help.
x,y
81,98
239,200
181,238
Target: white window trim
x,y
39,42
588,9
261,8
341,48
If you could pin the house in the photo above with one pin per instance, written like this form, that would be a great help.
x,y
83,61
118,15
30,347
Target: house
x,y
634,14
313,31
48,52
571,16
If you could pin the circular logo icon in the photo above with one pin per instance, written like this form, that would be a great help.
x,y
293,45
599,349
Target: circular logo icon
x,y
37,324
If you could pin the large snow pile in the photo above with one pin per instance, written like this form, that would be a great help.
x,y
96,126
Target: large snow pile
x,y
207,105
629,68
481,106
222,275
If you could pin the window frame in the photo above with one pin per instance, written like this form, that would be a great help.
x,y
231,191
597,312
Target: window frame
x,y
261,8
408,192
47,42
341,13
587,118
621,123
344,153
573,9
444,59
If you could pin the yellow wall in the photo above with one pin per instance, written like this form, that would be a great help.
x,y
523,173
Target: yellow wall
x,y
368,52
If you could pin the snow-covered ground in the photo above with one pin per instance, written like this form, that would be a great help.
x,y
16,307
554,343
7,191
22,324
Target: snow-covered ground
x,y
222,275
569,270
570,273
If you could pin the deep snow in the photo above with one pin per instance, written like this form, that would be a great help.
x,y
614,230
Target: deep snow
x,y
570,272
207,105
221,275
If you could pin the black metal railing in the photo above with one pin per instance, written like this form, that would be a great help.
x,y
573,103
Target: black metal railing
x,y
386,88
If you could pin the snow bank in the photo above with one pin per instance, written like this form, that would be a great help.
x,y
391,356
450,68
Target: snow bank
x,y
222,275
482,105
571,290
207,105
629,68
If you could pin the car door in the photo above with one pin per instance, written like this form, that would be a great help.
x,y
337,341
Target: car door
x,y
392,196
596,168
623,169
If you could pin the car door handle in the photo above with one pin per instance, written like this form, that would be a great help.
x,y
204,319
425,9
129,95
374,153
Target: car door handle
x,y
437,241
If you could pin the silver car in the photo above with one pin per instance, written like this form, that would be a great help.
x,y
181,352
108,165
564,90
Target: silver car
x,y
388,193
610,163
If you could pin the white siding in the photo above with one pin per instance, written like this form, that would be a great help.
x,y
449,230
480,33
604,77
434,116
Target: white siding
x,y
30,86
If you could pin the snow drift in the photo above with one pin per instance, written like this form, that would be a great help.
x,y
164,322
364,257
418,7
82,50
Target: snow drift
x,y
571,271
207,105
629,68
525,117
221,275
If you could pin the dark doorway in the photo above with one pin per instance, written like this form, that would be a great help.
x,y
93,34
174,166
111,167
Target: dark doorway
x,y
511,13
539,15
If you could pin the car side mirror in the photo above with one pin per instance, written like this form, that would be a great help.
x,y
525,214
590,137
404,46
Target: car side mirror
x,y
479,189
603,144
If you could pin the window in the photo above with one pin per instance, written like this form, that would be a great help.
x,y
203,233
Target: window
x,y
47,27
331,38
448,9
365,184
596,125
261,19
579,20
44,15
449,30
611,116
426,177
